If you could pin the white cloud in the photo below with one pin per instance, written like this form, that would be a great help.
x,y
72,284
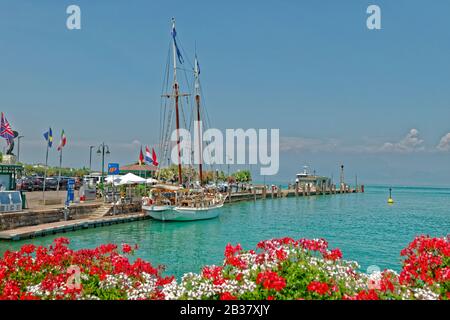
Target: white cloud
x,y
444,144
412,142
136,142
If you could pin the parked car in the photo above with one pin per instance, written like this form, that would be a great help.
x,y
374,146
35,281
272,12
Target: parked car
x,y
37,183
64,181
51,183
24,184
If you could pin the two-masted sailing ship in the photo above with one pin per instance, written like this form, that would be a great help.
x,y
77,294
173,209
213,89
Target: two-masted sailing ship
x,y
182,202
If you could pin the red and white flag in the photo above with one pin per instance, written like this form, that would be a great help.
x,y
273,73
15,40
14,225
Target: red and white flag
x,y
63,141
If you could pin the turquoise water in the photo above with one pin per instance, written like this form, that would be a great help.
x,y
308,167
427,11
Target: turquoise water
x,y
364,226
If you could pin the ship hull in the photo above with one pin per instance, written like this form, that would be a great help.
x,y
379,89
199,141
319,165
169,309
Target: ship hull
x,y
155,208
186,214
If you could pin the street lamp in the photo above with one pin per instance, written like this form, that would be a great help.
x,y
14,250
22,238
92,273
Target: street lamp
x,y
90,158
102,150
18,147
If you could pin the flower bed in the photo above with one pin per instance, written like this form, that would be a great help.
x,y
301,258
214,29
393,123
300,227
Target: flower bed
x,y
278,269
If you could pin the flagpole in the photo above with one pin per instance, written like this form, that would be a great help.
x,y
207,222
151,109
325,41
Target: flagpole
x,y
60,166
45,174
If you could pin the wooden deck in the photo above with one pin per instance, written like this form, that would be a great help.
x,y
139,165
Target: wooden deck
x,y
67,226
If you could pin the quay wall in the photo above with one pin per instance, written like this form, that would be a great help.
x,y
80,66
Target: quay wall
x,y
14,220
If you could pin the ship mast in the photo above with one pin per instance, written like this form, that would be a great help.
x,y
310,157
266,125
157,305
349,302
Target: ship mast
x,y
197,100
176,96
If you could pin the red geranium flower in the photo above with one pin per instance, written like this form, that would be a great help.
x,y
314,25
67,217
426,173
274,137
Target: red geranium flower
x,y
318,287
227,296
126,248
271,280
334,254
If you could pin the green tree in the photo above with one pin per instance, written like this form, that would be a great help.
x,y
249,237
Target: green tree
x,y
54,171
243,176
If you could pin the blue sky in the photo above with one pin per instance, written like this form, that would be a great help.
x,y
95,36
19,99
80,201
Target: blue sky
x,y
377,101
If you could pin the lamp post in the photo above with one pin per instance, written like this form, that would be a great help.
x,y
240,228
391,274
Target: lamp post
x,y
90,158
102,150
18,147
228,163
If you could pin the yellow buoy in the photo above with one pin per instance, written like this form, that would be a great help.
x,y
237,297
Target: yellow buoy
x,y
390,200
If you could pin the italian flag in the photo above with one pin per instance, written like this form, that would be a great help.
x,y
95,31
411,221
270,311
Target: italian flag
x,y
63,141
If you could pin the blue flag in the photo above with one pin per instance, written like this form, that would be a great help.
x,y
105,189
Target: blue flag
x,y
174,35
49,137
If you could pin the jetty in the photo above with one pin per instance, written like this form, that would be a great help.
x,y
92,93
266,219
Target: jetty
x,y
260,192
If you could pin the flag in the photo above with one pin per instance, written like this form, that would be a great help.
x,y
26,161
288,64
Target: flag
x,y
148,157
154,159
63,141
49,137
197,66
5,130
174,35
141,158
